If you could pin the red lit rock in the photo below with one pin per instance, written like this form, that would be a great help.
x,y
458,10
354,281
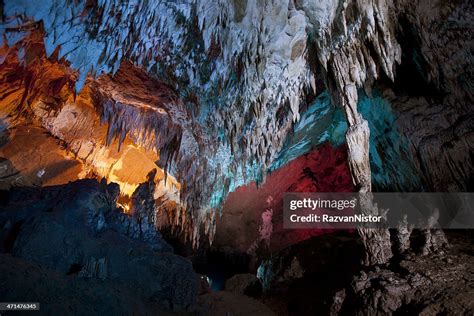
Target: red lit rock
x,y
243,222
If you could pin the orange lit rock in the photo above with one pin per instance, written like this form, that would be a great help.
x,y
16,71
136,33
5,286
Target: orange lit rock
x,y
53,136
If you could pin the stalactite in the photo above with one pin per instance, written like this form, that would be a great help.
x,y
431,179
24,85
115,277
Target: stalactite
x,y
234,74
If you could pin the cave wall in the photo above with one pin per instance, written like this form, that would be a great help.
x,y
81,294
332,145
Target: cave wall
x,y
53,136
252,217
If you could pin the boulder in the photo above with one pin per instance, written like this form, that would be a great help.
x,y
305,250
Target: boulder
x,y
246,283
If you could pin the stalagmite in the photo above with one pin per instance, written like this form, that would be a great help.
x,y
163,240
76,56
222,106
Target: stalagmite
x,y
402,237
434,238
376,241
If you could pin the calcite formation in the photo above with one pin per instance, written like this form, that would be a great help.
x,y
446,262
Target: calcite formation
x,y
213,89
133,129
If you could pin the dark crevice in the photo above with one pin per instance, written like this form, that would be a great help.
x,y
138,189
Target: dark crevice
x,y
408,309
417,240
4,197
219,266
12,236
410,76
75,268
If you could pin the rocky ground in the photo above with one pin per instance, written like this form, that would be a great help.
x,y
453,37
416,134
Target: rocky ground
x,y
441,283
322,276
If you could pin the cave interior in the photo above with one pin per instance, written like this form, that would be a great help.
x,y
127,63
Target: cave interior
x,y
146,148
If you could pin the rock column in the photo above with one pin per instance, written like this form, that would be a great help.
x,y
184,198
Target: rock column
x,y
376,241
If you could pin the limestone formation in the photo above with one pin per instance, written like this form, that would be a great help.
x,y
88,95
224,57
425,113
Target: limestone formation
x,y
403,235
209,91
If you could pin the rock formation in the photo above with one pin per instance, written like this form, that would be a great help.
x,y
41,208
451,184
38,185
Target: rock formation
x,y
204,112
255,60
58,233
424,285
